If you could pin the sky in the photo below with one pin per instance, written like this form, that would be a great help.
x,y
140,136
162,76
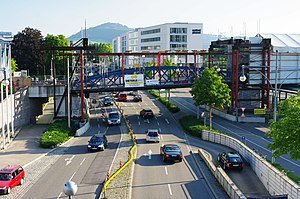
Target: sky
x,y
230,18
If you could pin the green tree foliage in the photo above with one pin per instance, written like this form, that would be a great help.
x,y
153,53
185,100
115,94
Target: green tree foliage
x,y
55,41
209,89
101,47
14,65
285,133
26,50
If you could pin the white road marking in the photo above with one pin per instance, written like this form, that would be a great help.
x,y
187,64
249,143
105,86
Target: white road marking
x,y
59,195
148,121
167,121
166,170
82,161
69,160
169,186
161,137
98,125
138,117
139,104
97,119
125,104
155,117
72,176
158,123
139,123
159,130
146,104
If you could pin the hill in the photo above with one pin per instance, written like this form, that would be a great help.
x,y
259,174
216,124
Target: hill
x,y
103,33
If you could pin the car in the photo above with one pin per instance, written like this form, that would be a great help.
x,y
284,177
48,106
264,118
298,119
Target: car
x,y
113,118
171,152
122,97
137,98
230,160
97,142
146,113
11,176
152,135
107,101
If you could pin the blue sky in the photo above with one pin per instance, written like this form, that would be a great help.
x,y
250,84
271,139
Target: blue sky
x,y
232,17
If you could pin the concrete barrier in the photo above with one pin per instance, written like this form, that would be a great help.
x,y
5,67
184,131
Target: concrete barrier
x,y
231,189
85,126
274,180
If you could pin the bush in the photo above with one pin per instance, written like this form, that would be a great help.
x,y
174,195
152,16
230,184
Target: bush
x,y
192,125
56,134
170,106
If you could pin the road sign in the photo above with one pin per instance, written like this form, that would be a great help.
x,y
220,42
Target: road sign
x,y
259,111
152,82
134,80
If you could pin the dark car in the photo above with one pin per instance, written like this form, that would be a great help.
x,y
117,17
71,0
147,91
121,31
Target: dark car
x,y
171,152
146,113
10,177
137,98
97,142
107,101
230,160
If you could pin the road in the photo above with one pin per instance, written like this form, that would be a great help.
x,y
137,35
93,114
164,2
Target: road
x,y
86,169
254,133
155,179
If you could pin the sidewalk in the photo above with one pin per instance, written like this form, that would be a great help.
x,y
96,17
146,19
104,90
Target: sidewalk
x,y
24,148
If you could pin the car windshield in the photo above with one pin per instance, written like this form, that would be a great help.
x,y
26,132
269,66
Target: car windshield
x,y
172,149
107,99
148,111
113,115
235,159
96,139
4,177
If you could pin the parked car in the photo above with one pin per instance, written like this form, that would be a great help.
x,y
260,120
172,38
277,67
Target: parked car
x,y
113,118
97,142
137,98
171,152
107,101
230,160
122,97
146,113
152,135
10,177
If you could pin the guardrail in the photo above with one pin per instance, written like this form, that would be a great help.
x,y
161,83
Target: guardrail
x,y
130,159
276,182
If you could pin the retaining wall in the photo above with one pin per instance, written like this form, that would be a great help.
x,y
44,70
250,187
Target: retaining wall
x,y
274,181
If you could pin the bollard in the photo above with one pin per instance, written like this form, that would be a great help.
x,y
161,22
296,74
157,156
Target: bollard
x,y
121,164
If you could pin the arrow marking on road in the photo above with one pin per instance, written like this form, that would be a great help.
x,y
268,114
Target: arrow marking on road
x,y
148,154
69,160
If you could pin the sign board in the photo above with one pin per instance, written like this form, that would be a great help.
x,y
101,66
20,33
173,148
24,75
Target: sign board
x,y
150,82
260,111
17,74
134,80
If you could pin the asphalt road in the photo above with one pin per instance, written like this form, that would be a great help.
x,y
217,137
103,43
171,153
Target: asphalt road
x,y
86,169
254,133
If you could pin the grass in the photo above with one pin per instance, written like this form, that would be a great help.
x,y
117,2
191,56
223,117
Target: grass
x,y
170,106
192,125
56,134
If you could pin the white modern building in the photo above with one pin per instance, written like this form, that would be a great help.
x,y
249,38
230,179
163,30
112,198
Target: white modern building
x,y
5,38
163,37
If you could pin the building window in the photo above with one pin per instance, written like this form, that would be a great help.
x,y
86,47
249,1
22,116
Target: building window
x,y
178,46
147,32
196,31
178,38
178,30
153,39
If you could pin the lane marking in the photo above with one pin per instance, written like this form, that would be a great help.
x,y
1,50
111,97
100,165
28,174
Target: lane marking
x,y
139,123
146,104
98,125
72,176
155,117
159,130
161,137
138,117
82,161
169,186
167,121
166,170
59,195
139,104
158,123
148,121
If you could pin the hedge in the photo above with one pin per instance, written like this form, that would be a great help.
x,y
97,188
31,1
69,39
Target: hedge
x,y
192,125
172,107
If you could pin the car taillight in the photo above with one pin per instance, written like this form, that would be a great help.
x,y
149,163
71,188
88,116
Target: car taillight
x,y
180,155
167,155
228,164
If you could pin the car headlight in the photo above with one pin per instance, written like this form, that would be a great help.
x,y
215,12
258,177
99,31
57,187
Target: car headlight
x,y
109,121
101,145
118,120
89,146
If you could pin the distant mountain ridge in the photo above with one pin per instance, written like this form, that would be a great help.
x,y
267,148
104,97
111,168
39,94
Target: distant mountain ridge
x,y
103,33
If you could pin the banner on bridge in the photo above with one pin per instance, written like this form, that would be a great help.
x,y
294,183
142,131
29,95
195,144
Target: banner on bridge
x,y
134,80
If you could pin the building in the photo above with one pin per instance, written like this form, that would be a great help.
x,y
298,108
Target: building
x,y
5,38
163,37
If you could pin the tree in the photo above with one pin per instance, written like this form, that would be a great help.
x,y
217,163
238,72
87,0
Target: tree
x,y
210,90
55,41
285,133
26,50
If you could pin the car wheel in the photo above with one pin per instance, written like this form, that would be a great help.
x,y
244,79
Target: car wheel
x,y
8,190
21,181
180,160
